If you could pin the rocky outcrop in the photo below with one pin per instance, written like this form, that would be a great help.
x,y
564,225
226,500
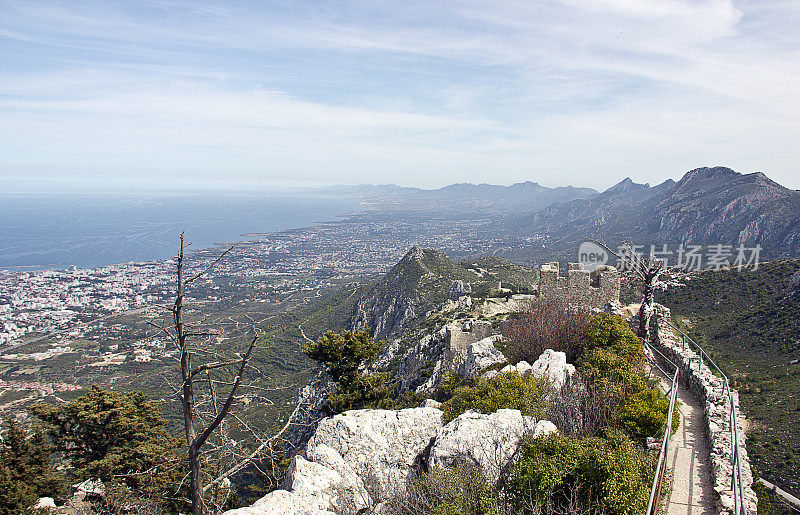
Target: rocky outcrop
x,y
710,389
358,460
382,446
480,356
489,441
458,289
282,502
416,285
328,480
551,365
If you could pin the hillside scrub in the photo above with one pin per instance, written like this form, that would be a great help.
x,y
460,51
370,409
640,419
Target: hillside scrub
x,y
548,324
344,355
510,390
607,475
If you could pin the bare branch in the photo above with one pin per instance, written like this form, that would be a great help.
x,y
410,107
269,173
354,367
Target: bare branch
x,y
227,406
209,267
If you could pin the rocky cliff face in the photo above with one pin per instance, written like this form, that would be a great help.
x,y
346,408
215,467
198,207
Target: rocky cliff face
x,y
414,286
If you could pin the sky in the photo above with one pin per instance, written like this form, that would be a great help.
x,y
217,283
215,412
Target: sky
x,y
167,95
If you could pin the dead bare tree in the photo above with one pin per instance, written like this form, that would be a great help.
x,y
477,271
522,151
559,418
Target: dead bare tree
x,y
648,270
201,416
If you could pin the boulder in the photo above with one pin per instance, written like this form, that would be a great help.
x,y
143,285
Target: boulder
x,y
522,368
430,403
544,428
481,355
381,446
552,365
486,440
45,503
282,502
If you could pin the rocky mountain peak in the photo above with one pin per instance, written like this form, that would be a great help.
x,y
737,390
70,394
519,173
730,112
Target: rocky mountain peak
x,y
414,254
625,187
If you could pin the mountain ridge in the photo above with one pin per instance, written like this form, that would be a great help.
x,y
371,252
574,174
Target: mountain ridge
x,y
708,205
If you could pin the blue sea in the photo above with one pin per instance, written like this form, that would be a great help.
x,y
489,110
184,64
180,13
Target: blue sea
x,y
55,231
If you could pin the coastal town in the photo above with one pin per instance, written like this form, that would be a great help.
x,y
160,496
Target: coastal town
x,y
43,302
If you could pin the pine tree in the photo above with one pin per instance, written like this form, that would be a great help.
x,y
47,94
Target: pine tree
x,y
117,437
17,496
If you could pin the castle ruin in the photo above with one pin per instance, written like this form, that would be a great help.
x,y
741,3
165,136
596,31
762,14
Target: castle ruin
x,y
595,289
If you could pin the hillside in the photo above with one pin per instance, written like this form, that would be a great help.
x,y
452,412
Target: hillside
x,y
707,206
422,280
748,322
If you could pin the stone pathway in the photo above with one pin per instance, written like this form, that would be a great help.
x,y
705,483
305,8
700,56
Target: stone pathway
x,y
688,459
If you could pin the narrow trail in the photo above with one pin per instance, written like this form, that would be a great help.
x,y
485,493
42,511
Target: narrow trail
x,y
688,458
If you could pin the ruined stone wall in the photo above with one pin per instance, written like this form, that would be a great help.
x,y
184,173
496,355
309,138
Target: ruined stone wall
x,y
710,389
595,289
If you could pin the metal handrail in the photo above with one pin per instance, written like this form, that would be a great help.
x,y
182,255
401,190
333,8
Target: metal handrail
x,y
736,472
658,478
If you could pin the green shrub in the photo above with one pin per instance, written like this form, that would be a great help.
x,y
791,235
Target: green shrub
x,y
458,491
646,412
611,332
610,475
343,355
450,382
363,392
509,390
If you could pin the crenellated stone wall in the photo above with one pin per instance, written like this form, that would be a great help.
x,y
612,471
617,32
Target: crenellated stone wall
x,y
595,289
710,389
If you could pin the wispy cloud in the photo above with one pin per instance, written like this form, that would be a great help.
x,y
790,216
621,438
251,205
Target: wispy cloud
x,y
416,93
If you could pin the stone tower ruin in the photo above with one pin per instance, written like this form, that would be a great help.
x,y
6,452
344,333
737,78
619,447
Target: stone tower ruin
x,y
595,289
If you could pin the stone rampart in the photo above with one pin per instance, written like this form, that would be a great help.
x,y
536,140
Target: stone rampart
x,y
595,289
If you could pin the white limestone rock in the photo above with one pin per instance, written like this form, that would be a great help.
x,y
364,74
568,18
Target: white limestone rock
x,y
481,355
486,440
328,479
543,428
552,365
283,503
45,503
430,403
381,446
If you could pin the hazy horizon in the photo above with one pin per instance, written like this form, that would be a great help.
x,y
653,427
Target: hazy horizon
x,y
161,95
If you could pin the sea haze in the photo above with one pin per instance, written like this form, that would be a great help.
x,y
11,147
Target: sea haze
x,y
44,231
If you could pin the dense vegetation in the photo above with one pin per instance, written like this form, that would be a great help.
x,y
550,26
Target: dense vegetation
x,y
119,438
748,321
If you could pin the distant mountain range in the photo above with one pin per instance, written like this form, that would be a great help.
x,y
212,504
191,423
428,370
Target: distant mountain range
x,y
707,206
463,200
